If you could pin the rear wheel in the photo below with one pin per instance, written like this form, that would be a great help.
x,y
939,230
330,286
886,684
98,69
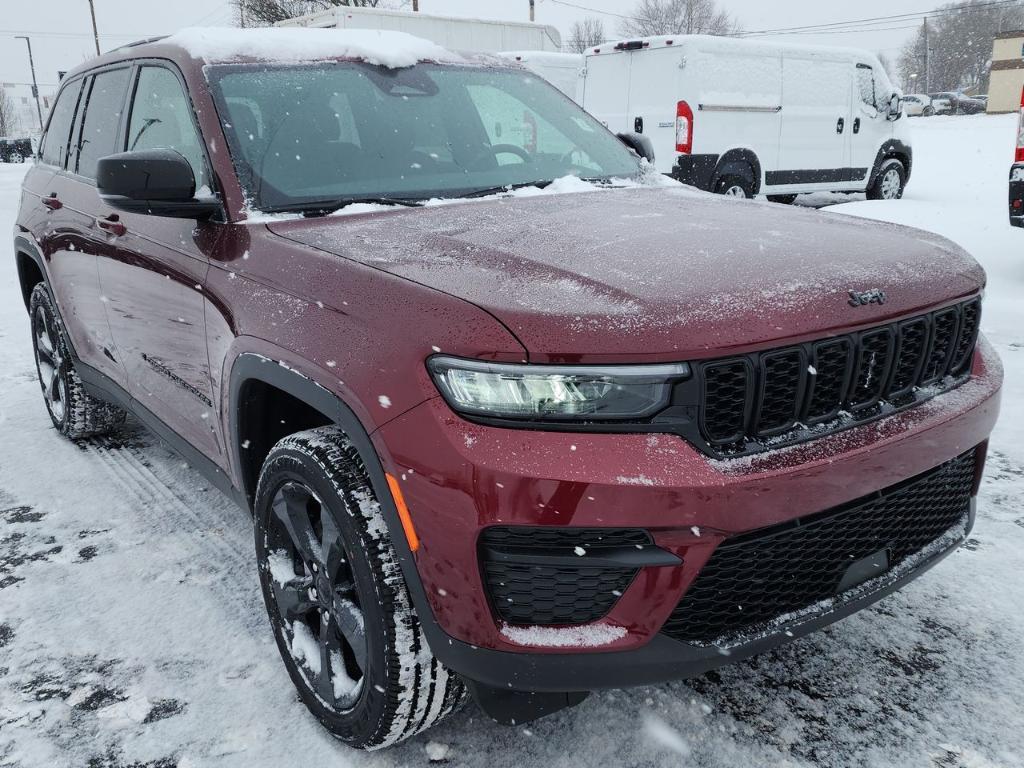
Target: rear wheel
x,y
928,111
782,199
74,412
734,186
890,182
338,604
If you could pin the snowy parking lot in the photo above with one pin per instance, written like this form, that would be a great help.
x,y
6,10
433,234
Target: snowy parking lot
x,y
132,632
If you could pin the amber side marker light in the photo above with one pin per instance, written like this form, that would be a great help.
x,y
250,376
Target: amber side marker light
x,y
403,513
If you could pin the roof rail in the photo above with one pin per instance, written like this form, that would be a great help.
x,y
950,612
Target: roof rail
x,y
139,42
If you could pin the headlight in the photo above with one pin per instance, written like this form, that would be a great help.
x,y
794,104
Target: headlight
x,y
555,392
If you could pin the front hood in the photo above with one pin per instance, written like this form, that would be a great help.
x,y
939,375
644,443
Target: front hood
x,y
652,273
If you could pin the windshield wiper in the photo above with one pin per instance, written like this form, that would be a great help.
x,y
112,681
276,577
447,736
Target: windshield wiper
x,y
488,191
326,207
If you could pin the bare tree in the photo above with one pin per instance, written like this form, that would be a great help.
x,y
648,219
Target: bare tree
x,y
678,17
9,121
585,34
959,46
258,13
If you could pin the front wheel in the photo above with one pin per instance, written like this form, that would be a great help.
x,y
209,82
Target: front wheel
x,y
735,186
782,199
890,182
341,613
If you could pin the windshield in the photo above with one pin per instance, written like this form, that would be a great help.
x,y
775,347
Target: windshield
x,y
303,136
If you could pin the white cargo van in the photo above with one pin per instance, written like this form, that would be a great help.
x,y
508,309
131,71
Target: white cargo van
x,y
744,117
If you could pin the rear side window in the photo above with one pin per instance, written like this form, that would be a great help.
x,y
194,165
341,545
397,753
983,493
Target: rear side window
x,y
161,118
58,135
98,137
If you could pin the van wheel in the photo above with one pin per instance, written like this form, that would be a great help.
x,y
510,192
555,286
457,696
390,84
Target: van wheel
x,y
782,199
890,182
734,186
342,617
74,412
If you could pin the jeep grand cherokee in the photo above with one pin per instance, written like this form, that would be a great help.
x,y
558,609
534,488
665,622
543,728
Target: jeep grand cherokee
x,y
571,429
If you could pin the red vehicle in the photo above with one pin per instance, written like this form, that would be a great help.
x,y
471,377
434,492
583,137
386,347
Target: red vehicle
x,y
526,443
1017,174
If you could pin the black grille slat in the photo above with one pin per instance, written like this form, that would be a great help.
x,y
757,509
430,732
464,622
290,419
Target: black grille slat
x,y
831,362
782,376
760,576
726,400
967,339
873,360
912,344
531,593
943,342
775,397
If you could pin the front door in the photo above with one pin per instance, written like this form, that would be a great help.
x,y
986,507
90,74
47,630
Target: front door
x,y
871,127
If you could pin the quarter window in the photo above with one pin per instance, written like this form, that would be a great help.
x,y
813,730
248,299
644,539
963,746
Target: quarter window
x,y
58,136
98,136
161,118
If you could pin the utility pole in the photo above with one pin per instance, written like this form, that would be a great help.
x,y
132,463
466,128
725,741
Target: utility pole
x,y
95,32
531,10
927,81
35,86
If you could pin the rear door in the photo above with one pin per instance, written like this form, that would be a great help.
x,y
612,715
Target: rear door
x,y
606,89
154,271
652,98
816,123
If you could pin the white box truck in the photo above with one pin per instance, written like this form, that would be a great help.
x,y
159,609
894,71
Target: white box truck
x,y
744,117
456,34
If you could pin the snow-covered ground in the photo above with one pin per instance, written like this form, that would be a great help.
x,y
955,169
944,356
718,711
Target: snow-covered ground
x,y
132,632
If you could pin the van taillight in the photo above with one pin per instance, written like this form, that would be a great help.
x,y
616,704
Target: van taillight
x,y
1019,156
684,128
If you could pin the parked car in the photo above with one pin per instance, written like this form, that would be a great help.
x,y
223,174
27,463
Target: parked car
x,y
955,103
15,150
522,444
918,105
1017,173
743,117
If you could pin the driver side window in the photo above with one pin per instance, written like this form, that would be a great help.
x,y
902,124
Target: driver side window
x,y
866,84
161,118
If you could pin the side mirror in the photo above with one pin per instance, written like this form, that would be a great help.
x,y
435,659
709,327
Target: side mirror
x,y
156,182
895,107
640,144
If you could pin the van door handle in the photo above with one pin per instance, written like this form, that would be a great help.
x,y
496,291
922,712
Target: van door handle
x,y
112,224
638,125
841,125
51,202
856,125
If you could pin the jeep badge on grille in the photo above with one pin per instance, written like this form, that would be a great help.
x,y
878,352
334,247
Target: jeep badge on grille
x,y
861,298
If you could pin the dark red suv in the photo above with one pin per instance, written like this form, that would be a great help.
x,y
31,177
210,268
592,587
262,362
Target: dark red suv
x,y
510,414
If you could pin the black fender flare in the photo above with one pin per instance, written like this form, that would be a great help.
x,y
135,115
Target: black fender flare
x,y
892,149
25,247
739,162
249,366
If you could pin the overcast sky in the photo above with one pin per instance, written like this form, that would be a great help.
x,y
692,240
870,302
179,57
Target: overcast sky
x,y
62,34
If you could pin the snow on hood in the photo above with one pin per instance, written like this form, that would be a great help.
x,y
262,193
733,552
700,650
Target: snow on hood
x,y
662,273
393,50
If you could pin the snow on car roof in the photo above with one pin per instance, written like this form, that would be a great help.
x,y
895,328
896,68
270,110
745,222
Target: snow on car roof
x,y
383,48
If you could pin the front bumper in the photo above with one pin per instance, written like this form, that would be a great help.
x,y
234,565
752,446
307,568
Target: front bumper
x,y
1017,195
460,478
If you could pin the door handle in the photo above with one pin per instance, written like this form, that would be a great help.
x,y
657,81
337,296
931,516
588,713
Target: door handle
x,y
638,125
841,125
112,224
856,125
51,202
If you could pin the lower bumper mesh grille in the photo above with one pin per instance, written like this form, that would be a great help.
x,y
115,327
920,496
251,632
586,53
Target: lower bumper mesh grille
x,y
759,576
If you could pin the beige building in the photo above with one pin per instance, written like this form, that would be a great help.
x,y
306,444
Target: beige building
x,y
1007,77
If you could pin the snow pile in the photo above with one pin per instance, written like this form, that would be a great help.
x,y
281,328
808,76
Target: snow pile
x,y
589,636
393,50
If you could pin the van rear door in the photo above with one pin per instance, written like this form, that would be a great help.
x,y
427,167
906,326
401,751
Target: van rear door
x,y
816,123
606,89
653,98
